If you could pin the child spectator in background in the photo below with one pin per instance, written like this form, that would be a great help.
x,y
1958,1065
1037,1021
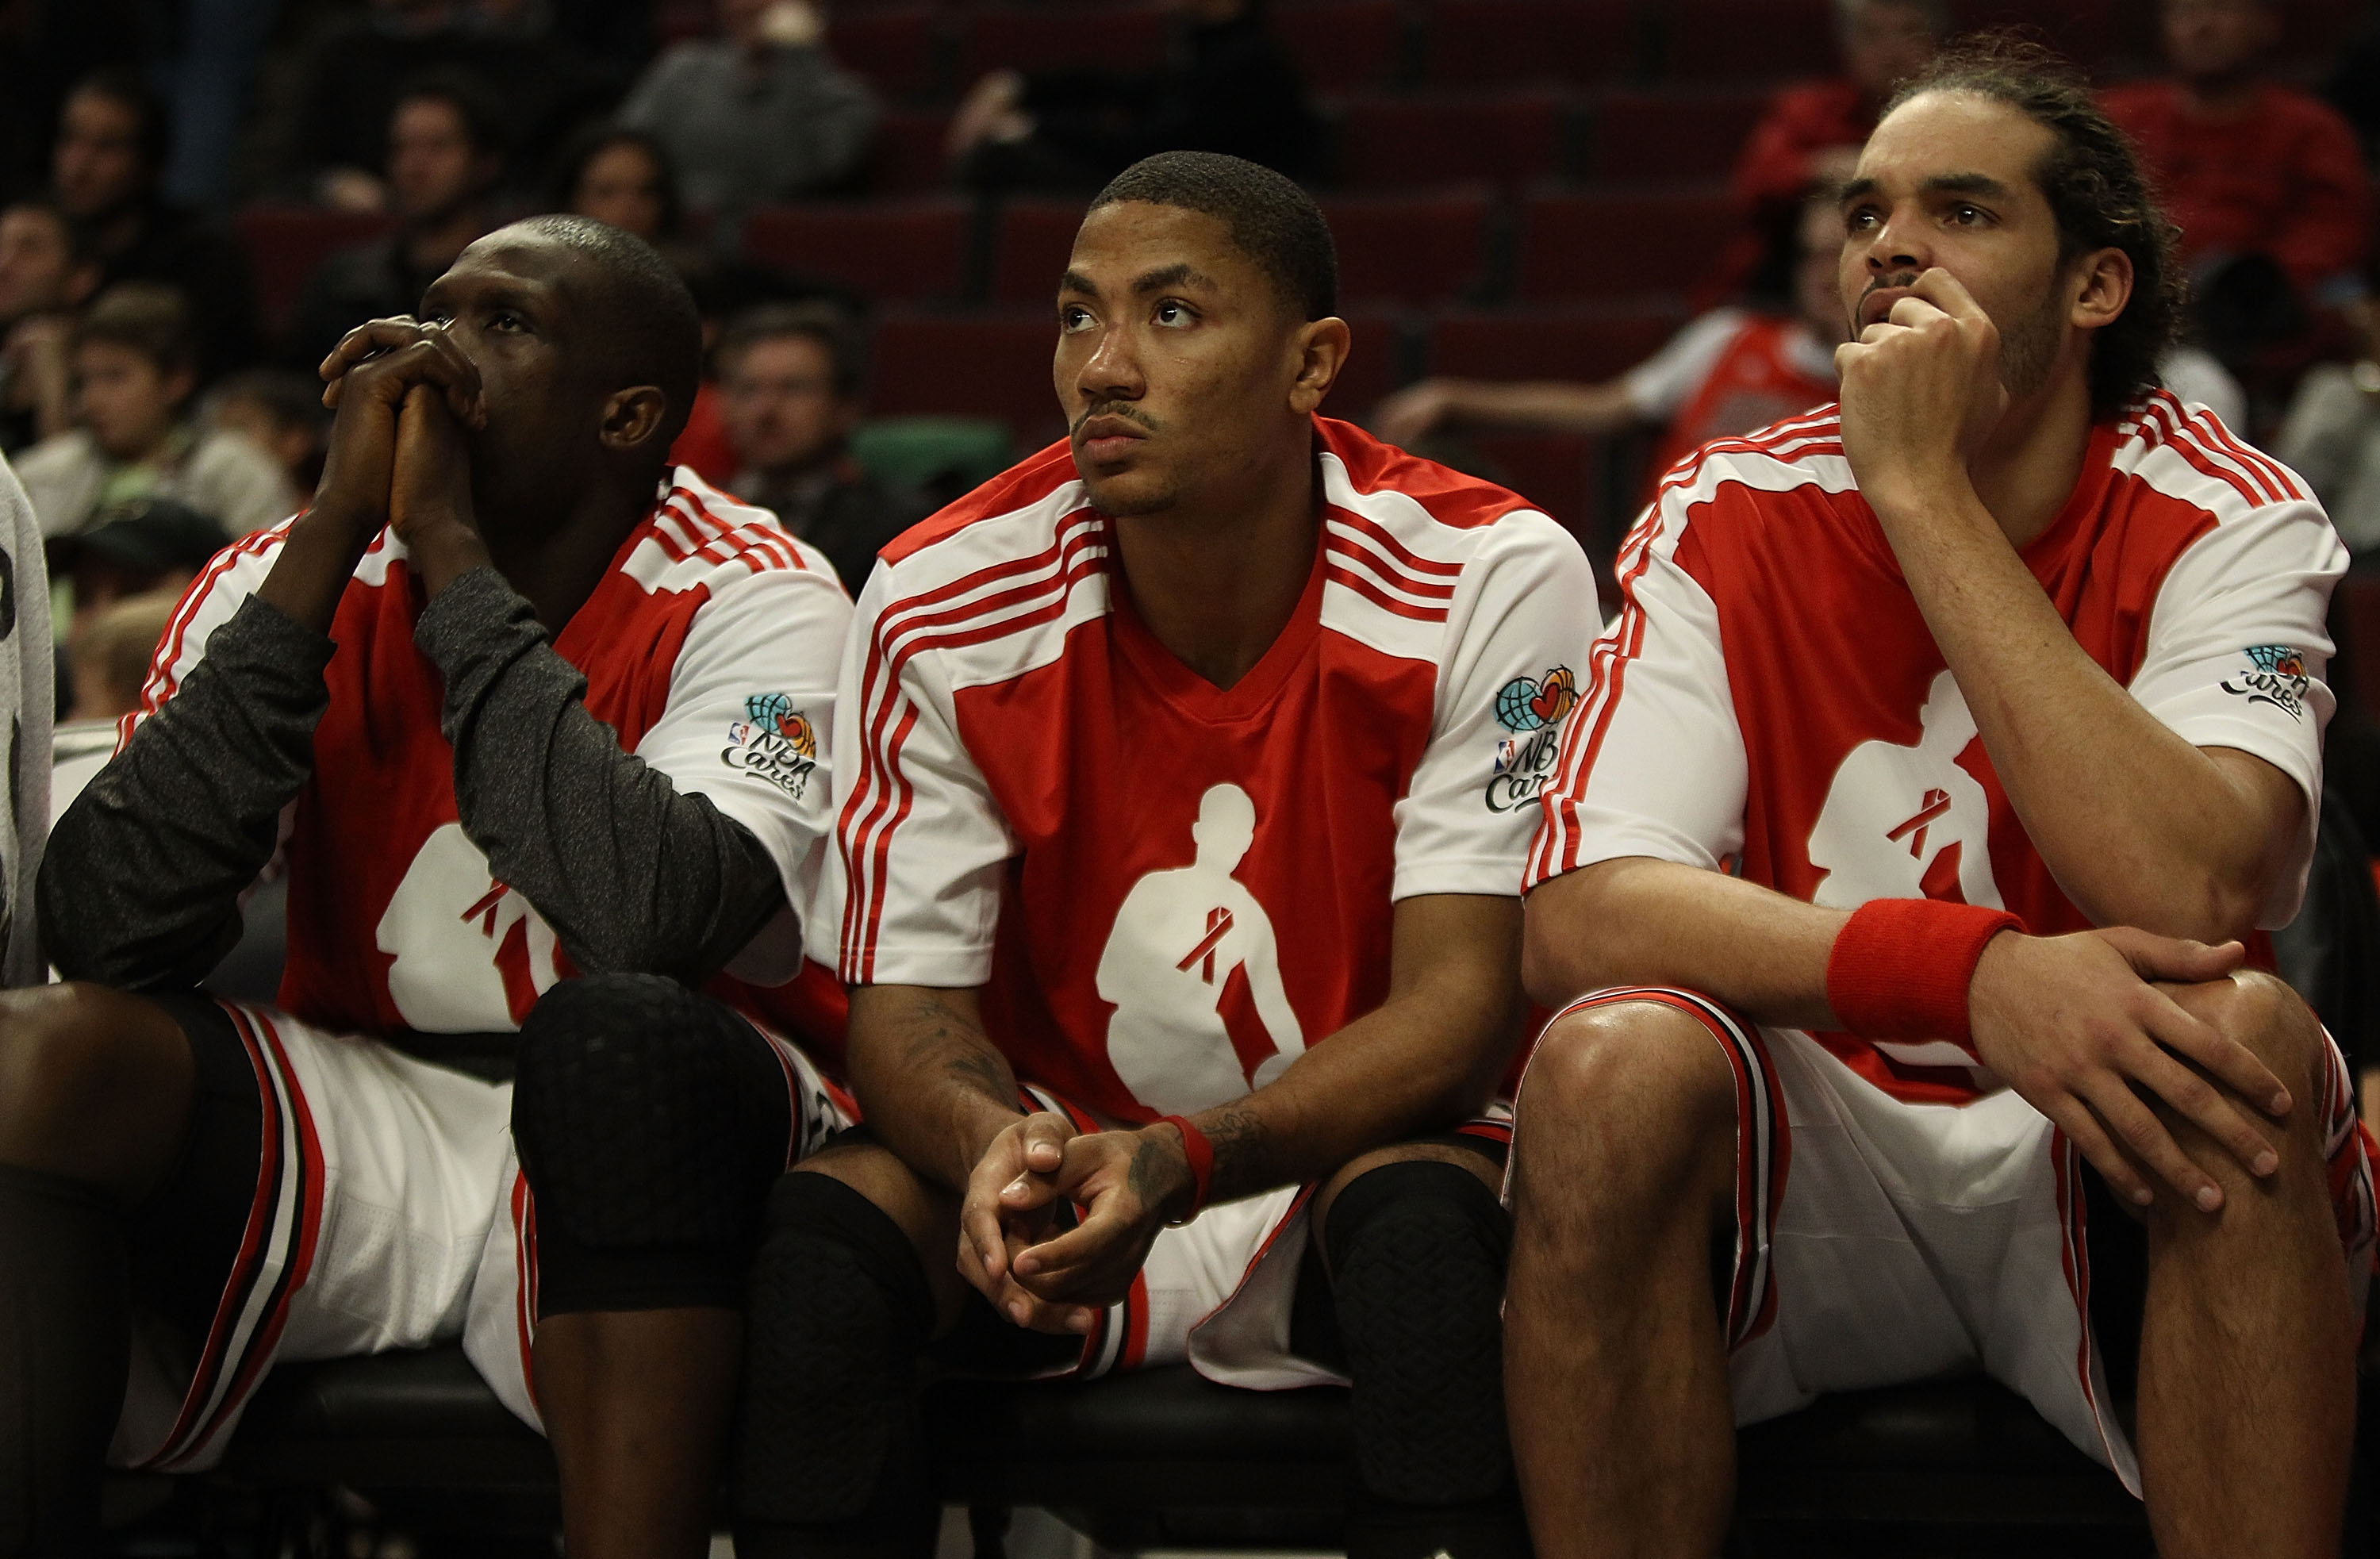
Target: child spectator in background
x,y
116,584
445,151
47,269
134,367
2266,183
282,413
758,112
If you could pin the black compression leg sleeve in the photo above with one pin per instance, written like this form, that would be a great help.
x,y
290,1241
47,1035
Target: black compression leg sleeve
x,y
1417,1252
829,1458
65,1333
650,1121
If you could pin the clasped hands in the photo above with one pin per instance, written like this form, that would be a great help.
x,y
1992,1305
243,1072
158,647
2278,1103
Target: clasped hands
x,y
404,393
1127,1183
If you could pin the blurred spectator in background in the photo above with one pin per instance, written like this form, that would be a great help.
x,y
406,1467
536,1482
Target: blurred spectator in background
x,y
1813,131
112,145
133,367
2331,437
790,374
105,669
758,112
124,577
1226,86
136,546
443,158
536,77
622,176
281,411
1729,372
2266,183
47,269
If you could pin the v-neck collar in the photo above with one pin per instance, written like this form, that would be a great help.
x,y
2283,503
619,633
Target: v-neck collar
x,y
1176,683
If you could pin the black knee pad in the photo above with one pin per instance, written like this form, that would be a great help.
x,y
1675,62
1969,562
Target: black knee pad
x,y
1417,1252
839,1312
650,1122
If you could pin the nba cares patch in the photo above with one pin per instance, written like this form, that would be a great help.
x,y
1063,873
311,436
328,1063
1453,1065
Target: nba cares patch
x,y
2273,673
775,741
1530,709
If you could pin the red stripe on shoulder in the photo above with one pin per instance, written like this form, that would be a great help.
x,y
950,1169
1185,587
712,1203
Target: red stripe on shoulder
x,y
1021,486
1459,502
2162,415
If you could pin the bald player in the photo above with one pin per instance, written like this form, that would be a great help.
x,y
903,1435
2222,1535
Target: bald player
x,y
536,727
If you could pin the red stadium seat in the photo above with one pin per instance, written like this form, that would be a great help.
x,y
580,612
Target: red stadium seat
x,y
1586,345
899,50
286,244
1400,142
1029,252
967,365
911,156
1748,40
1343,43
904,252
1612,246
1497,43
1418,248
1683,135
1121,37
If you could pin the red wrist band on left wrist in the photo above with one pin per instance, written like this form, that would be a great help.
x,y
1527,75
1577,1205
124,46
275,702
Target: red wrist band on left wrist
x,y
1201,1154
1900,968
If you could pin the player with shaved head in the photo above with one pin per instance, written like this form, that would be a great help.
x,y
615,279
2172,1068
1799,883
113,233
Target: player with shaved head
x,y
1907,875
537,728
1176,880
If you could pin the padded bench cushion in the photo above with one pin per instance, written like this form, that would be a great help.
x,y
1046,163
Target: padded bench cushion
x,y
1964,1451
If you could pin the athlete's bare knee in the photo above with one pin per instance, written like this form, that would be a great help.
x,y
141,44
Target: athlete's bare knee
x,y
1641,1072
94,1084
2261,1012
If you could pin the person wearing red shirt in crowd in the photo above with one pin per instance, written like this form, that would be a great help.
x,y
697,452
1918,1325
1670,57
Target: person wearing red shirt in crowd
x,y
1813,129
2244,166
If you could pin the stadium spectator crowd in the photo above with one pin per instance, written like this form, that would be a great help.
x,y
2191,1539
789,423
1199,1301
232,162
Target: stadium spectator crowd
x,y
1578,240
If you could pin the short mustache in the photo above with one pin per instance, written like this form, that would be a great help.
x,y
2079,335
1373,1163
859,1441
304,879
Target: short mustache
x,y
1898,278
1121,410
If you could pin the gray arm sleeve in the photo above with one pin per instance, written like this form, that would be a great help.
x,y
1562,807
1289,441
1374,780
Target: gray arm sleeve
x,y
141,886
631,874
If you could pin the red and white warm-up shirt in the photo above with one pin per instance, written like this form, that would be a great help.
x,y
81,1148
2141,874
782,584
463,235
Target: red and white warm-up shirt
x,y
711,646
1167,889
1770,701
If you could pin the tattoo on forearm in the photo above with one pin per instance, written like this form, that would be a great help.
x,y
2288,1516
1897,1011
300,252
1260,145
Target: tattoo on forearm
x,y
1242,1145
940,1038
1147,1175
972,1068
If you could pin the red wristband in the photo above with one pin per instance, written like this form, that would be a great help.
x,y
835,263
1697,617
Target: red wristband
x,y
1201,1154
1900,966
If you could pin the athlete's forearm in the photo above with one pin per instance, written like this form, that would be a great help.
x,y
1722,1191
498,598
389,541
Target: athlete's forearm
x,y
1423,1061
2140,827
630,873
931,1084
1639,921
140,884
1549,406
